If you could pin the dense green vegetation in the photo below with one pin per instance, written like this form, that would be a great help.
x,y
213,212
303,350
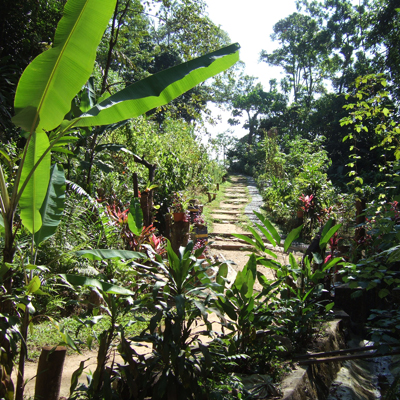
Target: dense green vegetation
x,y
100,122
301,136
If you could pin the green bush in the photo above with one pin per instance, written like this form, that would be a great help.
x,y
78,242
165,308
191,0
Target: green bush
x,y
299,170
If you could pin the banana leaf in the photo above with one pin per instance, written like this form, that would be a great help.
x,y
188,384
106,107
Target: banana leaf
x,y
52,80
53,205
34,182
158,89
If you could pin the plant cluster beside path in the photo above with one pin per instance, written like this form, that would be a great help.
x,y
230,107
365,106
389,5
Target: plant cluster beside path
x,y
228,219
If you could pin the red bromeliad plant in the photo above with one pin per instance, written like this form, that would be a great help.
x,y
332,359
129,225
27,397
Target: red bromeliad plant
x,y
144,235
307,201
201,244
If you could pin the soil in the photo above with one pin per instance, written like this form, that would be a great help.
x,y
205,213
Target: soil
x,y
224,247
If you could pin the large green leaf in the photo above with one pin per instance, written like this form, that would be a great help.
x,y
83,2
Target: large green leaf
x,y
270,228
107,254
228,308
246,239
326,227
159,89
33,185
266,234
77,280
293,235
51,81
53,205
221,276
325,239
135,217
252,265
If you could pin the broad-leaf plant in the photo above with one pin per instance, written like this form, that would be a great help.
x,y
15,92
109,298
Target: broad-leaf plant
x,y
42,104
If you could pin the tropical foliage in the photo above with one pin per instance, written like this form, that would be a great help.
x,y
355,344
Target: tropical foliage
x,y
100,121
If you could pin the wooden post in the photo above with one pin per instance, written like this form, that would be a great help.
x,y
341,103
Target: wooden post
x,y
168,225
49,373
135,185
179,235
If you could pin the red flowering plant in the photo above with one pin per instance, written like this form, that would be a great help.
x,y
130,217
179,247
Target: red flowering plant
x,y
142,237
199,220
120,217
308,206
307,202
201,244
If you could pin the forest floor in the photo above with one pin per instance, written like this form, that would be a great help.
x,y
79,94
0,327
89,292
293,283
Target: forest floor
x,y
228,218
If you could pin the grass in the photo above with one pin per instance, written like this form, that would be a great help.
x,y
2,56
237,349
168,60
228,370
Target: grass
x,y
208,207
46,333
241,219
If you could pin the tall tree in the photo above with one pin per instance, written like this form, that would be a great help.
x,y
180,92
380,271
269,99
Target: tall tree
x,y
384,38
246,98
302,52
184,27
344,26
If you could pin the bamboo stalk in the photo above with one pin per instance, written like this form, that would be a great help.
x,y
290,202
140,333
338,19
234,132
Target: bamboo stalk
x,y
336,352
346,357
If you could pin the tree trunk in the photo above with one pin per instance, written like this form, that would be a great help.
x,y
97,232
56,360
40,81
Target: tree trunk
x,y
360,220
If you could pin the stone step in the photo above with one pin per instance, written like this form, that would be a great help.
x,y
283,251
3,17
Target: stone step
x,y
226,217
224,211
230,206
236,196
233,200
227,229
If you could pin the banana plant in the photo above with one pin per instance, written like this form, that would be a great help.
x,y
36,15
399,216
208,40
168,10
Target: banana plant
x,y
43,99
47,87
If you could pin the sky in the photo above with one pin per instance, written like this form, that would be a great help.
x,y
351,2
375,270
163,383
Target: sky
x,y
250,23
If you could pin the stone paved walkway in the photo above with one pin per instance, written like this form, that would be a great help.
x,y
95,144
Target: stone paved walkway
x,y
239,202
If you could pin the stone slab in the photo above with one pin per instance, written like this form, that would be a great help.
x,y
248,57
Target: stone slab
x,y
236,193
235,200
227,217
235,196
224,211
313,381
228,229
231,206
